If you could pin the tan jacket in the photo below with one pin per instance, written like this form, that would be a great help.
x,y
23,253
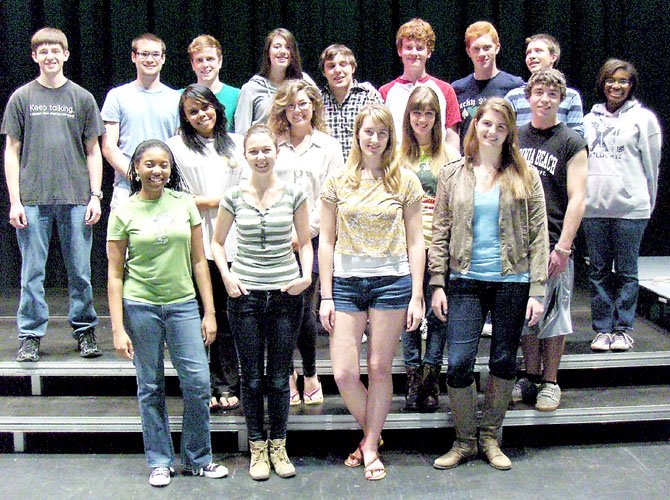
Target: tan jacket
x,y
524,240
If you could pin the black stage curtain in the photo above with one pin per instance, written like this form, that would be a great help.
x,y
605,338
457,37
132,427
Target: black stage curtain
x,y
100,32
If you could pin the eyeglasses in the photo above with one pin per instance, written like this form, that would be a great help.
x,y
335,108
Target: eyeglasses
x,y
146,55
624,82
302,105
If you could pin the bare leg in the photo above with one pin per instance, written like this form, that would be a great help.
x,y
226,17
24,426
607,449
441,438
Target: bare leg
x,y
385,330
345,351
552,351
530,346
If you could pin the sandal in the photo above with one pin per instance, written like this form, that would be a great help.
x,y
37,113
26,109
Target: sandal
x,y
214,404
225,401
295,399
375,473
355,459
315,397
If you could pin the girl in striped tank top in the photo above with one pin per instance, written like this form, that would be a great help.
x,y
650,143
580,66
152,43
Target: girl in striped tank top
x,y
264,286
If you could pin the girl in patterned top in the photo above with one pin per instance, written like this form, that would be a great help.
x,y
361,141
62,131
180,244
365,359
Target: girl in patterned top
x,y
264,286
424,151
371,256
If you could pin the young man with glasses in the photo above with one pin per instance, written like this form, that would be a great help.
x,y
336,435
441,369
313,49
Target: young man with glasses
x,y
134,112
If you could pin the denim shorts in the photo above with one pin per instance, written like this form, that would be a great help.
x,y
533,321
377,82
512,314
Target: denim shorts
x,y
383,292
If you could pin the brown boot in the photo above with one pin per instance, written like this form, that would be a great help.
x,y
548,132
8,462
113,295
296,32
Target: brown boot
x,y
463,403
498,396
429,399
413,388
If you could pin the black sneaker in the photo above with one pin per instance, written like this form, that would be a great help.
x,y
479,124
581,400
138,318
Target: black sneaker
x,y
88,346
29,350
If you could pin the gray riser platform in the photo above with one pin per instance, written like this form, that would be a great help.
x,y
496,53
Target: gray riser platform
x,y
67,414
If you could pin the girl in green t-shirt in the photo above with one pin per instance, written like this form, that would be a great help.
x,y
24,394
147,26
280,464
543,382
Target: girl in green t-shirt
x,y
154,243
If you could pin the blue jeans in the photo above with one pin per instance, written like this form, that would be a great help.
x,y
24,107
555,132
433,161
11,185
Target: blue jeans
x,y
614,295
469,302
435,340
150,327
75,242
257,319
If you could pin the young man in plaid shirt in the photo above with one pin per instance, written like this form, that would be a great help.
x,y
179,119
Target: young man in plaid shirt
x,y
343,97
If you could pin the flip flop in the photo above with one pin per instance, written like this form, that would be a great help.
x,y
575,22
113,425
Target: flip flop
x,y
355,459
375,473
314,397
295,399
225,402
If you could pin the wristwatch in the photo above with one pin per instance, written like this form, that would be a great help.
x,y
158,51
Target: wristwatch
x,y
97,194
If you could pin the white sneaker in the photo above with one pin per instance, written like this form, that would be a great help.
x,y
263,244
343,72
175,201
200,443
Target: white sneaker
x,y
548,398
212,471
621,341
161,476
602,342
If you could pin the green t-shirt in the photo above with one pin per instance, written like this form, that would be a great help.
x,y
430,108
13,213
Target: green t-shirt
x,y
158,232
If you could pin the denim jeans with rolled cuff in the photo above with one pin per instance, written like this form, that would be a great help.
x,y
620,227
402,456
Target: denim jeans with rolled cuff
x,y
260,320
178,325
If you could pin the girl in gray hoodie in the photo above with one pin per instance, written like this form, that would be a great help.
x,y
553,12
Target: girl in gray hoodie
x,y
624,142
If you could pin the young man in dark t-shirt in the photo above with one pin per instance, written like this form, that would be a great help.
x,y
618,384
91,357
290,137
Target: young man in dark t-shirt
x,y
482,46
53,168
560,156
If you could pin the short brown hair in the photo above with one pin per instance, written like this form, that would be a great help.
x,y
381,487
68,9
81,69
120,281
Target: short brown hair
x,y
204,42
416,29
333,50
550,77
552,44
48,35
610,67
479,29
147,36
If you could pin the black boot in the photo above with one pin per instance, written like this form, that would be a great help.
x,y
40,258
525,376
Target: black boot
x,y
430,389
413,387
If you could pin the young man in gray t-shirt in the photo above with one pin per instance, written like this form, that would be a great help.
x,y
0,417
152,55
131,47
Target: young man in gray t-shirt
x,y
53,169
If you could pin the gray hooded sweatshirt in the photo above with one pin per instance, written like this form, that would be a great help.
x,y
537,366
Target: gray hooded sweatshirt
x,y
624,155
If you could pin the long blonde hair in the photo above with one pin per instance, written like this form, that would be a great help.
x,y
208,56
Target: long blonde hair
x,y
424,99
286,94
513,172
380,114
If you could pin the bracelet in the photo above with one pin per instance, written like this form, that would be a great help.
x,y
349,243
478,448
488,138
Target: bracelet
x,y
327,298
562,251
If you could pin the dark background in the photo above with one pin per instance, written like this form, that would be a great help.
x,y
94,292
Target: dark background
x,y
100,32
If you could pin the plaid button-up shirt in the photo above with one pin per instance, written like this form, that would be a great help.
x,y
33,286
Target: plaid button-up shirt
x,y
340,117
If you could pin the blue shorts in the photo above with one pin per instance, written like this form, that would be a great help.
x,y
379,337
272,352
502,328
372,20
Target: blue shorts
x,y
361,294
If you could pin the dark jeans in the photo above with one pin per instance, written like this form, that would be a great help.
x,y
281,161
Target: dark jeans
x,y
614,295
469,302
257,319
224,371
435,339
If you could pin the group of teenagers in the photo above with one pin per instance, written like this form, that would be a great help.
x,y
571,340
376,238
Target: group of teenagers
x,y
236,222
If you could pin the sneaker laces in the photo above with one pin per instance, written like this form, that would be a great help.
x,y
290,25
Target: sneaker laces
x,y
601,336
627,338
279,455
